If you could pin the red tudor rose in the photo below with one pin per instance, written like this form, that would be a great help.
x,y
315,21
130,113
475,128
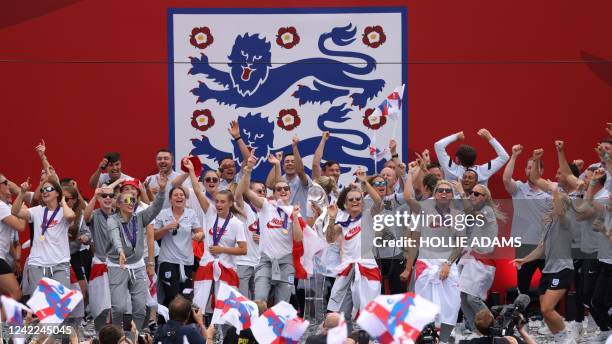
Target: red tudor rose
x,y
372,121
287,37
202,119
201,37
288,119
374,36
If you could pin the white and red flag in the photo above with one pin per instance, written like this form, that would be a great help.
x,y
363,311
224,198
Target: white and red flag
x,y
52,302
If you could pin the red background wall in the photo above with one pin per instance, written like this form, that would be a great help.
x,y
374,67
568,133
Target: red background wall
x,y
91,76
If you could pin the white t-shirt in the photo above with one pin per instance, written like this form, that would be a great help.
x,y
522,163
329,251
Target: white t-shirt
x,y
54,249
251,227
177,249
276,240
194,204
234,232
153,183
351,238
105,179
5,231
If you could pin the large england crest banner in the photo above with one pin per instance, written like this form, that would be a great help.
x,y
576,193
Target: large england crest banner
x,y
285,73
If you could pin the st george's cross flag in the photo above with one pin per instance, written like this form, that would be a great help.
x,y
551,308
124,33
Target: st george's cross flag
x,y
234,309
13,313
52,302
270,327
397,318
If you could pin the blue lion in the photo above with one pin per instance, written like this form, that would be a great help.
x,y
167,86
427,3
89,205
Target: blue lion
x,y
258,134
399,312
251,68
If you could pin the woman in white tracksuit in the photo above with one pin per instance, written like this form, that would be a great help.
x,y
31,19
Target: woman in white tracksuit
x,y
436,274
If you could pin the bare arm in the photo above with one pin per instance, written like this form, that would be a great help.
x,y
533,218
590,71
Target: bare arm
x,y
275,172
180,179
535,175
234,131
15,223
564,166
150,232
40,149
440,148
69,214
361,176
318,155
509,183
204,204
502,156
299,164
17,209
236,251
298,236
95,177
535,254
408,191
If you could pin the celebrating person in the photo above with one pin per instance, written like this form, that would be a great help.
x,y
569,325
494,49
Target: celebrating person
x,y
8,224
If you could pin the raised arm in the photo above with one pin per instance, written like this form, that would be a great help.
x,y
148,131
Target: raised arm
x,y
502,156
69,214
564,168
243,186
153,210
535,175
234,130
16,208
361,176
204,204
318,155
255,199
333,230
275,172
297,229
95,177
299,164
598,174
440,148
409,196
509,183
40,149
558,207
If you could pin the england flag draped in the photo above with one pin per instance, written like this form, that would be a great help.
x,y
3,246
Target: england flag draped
x,y
279,325
52,302
397,318
234,309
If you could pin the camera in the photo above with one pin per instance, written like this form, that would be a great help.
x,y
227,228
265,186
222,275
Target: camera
x,y
507,317
428,335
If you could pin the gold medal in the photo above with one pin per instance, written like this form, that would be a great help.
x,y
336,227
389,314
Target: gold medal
x,y
42,238
285,231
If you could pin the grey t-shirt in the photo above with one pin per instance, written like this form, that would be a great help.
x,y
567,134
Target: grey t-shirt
x,y
489,230
558,246
530,208
100,235
299,192
604,253
177,249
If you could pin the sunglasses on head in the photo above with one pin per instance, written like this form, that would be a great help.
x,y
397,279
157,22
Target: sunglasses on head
x,y
354,199
282,188
47,189
211,180
444,190
129,200
380,183
104,195
476,193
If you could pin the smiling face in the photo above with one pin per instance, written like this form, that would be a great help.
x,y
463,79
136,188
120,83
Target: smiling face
x,y
443,193
469,180
164,162
332,171
380,185
389,175
478,195
436,171
114,170
49,193
178,198
228,167
126,203
289,164
211,182
223,203
282,192
529,167
354,202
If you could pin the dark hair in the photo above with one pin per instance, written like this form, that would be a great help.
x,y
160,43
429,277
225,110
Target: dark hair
x,y
602,181
179,187
112,157
110,334
473,171
430,181
466,155
434,164
205,172
227,157
163,150
57,187
65,181
343,195
179,309
329,163
606,140
575,170
287,154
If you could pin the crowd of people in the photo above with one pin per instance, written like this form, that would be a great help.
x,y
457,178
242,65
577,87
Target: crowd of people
x,y
193,230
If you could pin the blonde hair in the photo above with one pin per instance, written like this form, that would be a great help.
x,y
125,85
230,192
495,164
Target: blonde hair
x,y
500,215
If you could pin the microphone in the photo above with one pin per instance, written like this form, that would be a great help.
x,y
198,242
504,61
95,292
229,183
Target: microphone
x,y
521,302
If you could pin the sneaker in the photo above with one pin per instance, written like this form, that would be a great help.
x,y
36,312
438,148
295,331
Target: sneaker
x,y
601,337
591,325
576,328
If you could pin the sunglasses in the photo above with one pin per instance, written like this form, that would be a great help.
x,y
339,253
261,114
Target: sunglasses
x,y
47,189
282,188
129,200
476,193
354,199
106,195
444,190
380,183
211,180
